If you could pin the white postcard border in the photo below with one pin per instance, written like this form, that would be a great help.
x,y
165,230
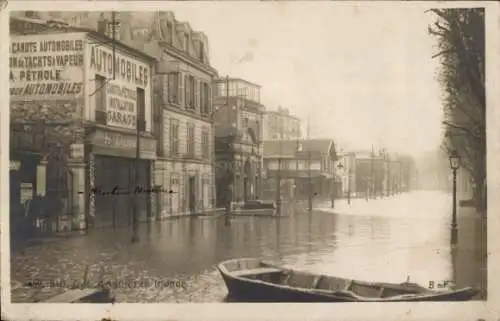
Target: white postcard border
x,y
489,310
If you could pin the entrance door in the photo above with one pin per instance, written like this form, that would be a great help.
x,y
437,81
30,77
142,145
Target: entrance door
x,y
192,195
245,189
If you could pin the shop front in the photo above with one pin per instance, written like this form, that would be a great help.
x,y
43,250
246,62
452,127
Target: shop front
x,y
114,188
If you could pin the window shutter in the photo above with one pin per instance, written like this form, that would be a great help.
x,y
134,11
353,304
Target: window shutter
x,y
165,88
186,192
203,107
209,99
181,89
196,94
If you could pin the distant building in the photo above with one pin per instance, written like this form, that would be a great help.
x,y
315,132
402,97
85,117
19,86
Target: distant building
x,y
279,124
296,163
346,171
379,173
238,117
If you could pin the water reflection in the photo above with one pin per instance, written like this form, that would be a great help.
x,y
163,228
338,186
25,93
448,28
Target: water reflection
x,y
410,241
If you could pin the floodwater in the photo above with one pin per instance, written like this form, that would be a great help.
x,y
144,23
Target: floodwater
x,y
405,236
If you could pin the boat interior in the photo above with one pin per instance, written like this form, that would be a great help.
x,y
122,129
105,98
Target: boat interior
x,y
257,270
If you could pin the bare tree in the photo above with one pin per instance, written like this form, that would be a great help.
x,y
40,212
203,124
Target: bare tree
x,y
460,34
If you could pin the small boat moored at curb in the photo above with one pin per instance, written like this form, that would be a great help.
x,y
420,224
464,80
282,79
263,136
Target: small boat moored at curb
x,y
253,280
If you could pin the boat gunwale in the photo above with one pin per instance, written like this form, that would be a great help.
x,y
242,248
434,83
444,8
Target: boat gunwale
x,y
344,294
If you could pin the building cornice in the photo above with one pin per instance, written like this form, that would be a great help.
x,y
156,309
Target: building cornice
x,y
183,112
180,159
123,131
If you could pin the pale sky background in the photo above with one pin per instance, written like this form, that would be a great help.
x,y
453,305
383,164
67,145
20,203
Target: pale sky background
x,y
363,75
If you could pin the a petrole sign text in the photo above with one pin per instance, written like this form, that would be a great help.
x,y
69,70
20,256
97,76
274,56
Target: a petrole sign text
x,y
121,92
46,66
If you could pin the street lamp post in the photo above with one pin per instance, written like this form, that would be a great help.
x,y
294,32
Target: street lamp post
x,y
332,192
334,188
454,165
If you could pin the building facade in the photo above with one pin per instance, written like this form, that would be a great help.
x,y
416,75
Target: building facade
x,y
383,174
83,115
238,117
279,124
300,166
184,117
346,170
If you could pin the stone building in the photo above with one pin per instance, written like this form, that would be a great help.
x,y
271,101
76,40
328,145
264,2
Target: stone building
x,y
346,170
299,164
76,119
280,124
384,174
238,115
184,118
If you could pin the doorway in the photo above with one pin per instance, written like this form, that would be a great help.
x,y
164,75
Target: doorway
x,y
192,195
245,189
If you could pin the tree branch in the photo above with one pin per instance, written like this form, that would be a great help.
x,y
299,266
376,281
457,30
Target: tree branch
x,y
463,129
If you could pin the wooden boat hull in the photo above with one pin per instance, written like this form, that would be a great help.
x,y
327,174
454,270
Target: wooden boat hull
x,y
242,289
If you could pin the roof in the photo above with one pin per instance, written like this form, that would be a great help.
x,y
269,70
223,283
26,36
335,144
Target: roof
x,y
289,148
281,114
227,78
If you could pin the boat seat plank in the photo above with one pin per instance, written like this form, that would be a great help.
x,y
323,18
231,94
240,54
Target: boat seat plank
x,y
366,290
348,285
316,281
255,271
302,280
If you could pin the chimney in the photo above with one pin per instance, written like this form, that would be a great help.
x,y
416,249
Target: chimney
x,y
32,14
102,25
117,25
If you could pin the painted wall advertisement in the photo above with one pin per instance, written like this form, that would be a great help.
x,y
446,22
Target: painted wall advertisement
x,y
123,79
46,66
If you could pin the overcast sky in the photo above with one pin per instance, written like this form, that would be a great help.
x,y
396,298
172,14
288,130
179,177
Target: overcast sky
x,y
362,74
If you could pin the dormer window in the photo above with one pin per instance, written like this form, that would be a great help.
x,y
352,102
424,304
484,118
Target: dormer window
x,y
186,41
169,32
202,51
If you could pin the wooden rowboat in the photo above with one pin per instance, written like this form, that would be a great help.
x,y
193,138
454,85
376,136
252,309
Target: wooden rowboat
x,y
252,280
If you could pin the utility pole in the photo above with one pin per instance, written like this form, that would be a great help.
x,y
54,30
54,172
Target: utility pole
x,y
114,24
334,186
135,206
296,169
372,178
387,173
135,214
278,176
231,157
349,174
310,189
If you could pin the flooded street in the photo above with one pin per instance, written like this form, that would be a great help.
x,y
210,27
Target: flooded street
x,y
383,240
